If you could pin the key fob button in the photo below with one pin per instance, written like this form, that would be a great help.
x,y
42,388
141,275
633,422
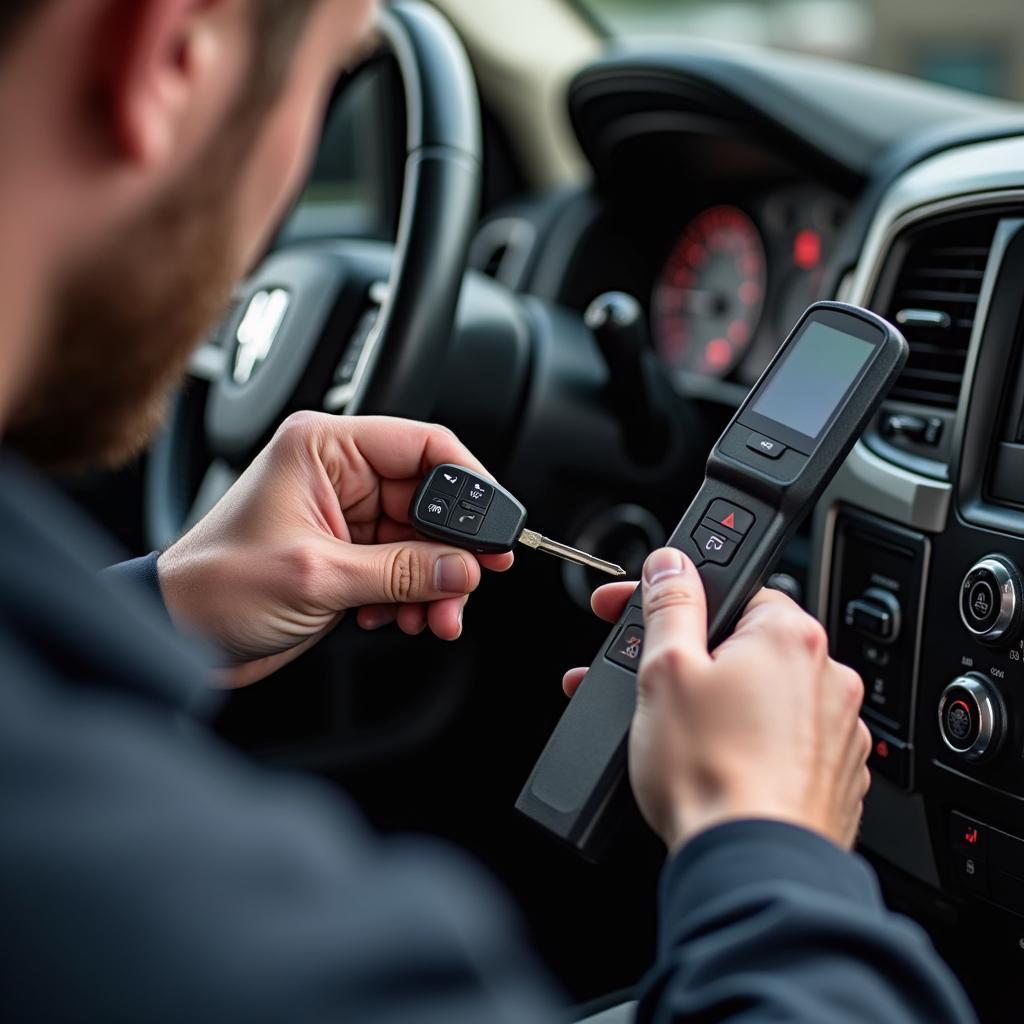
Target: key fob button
x,y
448,480
466,520
478,493
434,508
714,547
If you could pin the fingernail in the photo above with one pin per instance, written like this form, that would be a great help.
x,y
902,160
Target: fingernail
x,y
663,563
451,575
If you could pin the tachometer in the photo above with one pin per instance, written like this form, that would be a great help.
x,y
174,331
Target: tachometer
x,y
708,298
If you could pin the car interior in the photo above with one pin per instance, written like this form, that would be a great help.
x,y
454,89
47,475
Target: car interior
x,y
484,176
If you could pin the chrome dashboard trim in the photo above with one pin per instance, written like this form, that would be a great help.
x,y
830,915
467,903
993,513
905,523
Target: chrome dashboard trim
x,y
969,177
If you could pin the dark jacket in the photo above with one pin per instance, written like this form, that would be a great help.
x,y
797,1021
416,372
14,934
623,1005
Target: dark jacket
x,y
149,873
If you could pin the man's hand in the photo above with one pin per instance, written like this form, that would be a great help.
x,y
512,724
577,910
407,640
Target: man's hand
x,y
766,726
316,526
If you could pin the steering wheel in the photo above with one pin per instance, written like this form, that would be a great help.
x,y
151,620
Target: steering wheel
x,y
343,326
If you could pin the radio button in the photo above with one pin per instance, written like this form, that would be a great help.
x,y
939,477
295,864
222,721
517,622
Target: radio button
x,y
972,718
990,598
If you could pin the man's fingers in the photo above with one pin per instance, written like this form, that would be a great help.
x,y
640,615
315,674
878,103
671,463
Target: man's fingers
x,y
399,449
768,596
572,679
675,610
445,617
406,572
497,563
376,616
390,532
610,601
412,619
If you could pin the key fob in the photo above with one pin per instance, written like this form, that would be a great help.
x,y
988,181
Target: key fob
x,y
466,510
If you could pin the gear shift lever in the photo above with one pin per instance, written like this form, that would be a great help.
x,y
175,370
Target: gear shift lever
x,y
636,391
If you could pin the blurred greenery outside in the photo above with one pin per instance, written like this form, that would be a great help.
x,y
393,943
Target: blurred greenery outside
x,y
977,46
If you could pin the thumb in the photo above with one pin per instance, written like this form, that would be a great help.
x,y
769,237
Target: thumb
x,y
675,609
407,572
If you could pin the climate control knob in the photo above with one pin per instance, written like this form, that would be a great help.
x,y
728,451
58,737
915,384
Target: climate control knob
x,y
972,717
990,598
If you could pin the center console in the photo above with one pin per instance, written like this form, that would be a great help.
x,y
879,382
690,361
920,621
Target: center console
x,y
918,544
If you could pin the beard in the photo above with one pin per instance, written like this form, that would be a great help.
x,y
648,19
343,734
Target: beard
x,y
123,327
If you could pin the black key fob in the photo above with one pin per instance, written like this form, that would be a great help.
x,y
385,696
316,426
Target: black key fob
x,y
458,507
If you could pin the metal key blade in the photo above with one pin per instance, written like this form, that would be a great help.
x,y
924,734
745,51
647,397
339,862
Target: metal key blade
x,y
552,547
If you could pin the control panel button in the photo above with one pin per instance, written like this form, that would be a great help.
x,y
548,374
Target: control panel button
x,y
435,508
968,842
968,836
889,757
972,872
478,493
972,717
990,598
714,546
725,514
466,520
766,446
876,613
627,647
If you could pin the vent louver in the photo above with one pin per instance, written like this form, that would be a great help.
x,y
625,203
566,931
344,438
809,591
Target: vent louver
x,y
934,302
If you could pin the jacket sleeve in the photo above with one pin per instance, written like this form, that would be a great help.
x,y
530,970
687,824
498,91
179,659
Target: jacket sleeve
x,y
762,921
141,573
157,876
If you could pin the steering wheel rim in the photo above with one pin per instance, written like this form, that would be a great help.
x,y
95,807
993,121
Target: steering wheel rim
x,y
406,327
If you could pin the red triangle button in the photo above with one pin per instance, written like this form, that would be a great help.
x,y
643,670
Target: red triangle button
x,y
729,522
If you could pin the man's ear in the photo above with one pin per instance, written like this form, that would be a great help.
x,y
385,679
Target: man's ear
x,y
168,68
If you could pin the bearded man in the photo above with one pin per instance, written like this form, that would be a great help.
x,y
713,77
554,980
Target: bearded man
x,y
149,873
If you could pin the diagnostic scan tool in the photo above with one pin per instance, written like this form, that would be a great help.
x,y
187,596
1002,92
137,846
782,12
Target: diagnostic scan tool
x,y
764,474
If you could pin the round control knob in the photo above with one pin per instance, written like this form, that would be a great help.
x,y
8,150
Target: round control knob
x,y
990,598
972,717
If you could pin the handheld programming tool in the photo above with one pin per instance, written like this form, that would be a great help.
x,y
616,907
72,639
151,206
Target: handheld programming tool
x,y
763,476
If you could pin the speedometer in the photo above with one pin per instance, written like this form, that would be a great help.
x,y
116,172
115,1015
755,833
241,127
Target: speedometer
x,y
708,298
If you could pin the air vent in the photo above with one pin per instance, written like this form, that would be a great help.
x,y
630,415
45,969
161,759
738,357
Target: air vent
x,y
934,302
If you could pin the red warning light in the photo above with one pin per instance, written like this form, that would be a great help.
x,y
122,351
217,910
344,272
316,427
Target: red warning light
x,y
971,836
719,353
729,522
882,749
807,249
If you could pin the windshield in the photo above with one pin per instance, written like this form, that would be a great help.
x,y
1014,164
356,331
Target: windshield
x,y
977,46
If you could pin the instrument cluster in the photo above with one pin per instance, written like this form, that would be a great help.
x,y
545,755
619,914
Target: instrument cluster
x,y
735,278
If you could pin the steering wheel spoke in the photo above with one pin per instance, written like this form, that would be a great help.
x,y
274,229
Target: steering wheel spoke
x,y
359,354
208,364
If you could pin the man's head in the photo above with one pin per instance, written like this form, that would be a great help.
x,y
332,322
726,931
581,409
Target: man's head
x,y
167,138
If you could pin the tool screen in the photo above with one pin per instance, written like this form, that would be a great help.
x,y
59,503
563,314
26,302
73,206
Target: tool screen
x,y
810,383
